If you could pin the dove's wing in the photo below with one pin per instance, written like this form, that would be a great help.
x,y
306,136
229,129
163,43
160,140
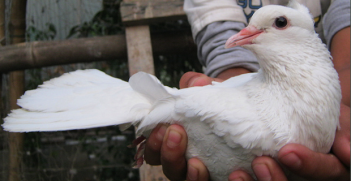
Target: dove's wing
x,y
230,115
165,109
77,100
224,107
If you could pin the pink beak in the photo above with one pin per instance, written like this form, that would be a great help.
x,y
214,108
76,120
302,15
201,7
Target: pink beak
x,y
244,37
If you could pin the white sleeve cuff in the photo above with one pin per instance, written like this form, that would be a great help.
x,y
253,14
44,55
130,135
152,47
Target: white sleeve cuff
x,y
203,12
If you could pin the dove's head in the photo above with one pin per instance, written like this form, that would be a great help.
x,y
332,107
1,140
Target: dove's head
x,y
276,25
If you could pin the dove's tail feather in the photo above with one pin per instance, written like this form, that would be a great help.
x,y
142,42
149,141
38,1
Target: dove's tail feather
x,y
151,88
83,99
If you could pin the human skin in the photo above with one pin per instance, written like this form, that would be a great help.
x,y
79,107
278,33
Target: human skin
x,y
167,143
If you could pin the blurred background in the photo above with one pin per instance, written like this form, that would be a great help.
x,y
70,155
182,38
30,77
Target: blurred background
x,y
92,154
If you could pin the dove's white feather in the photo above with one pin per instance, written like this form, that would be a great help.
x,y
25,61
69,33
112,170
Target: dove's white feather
x,y
294,98
77,100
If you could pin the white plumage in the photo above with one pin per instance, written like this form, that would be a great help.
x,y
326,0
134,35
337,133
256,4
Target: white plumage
x,y
294,98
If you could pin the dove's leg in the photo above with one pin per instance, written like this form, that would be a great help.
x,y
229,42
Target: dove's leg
x,y
139,156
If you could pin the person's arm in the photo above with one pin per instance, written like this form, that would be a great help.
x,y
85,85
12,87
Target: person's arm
x,y
201,13
212,23
206,18
336,26
263,166
297,158
340,51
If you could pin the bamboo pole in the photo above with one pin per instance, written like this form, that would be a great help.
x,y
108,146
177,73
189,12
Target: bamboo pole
x,y
2,22
16,82
2,111
47,53
17,28
2,43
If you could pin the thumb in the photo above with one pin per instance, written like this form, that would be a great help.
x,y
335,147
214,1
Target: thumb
x,y
191,79
312,165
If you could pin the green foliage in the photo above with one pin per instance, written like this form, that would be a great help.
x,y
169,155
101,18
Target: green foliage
x,y
93,154
33,34
105,22
170,68
100,153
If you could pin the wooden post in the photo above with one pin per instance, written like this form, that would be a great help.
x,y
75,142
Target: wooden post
x,y
144,12
139,50
16,82
137,14
140,59
17,28
2,43
2,22
5,160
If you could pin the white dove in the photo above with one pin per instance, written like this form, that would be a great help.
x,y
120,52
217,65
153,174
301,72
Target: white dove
x,y
293,98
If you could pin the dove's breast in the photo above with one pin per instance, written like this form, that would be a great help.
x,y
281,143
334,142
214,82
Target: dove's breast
x,y
214,152
223,129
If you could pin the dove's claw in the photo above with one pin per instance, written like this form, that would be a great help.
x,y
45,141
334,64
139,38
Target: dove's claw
x,y
137,141
139,156
137,163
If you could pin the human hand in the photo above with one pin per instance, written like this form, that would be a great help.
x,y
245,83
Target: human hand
x,y
158,150
166,144
306,163
310,164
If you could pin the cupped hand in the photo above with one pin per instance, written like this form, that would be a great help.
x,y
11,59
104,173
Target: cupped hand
x,y
306,163
167,145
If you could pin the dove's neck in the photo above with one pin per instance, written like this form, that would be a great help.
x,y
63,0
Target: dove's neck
x,y
302,83
295,65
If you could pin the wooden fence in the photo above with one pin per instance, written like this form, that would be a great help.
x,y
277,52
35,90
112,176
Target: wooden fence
x,y
138,45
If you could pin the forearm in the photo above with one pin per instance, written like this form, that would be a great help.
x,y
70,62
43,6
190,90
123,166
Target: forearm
x,y
215,57
344,77
340,51
212,23
336,25
232,72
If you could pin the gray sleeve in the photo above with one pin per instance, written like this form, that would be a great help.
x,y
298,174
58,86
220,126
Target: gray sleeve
x,y
212,54
337,18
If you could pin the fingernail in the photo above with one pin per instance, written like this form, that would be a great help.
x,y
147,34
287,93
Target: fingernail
x,y
262,172
192,81
192,174
291,160
173,139
161,133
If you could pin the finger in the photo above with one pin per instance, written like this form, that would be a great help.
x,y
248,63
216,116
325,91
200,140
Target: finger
x,y
191,79
265,168
173,153
341,146
312,165
197,171
240,175
153,145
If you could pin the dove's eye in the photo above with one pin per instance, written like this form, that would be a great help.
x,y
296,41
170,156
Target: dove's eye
x,y
281,22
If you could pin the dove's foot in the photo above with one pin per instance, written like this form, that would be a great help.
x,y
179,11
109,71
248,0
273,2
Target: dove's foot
x,y
139,156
